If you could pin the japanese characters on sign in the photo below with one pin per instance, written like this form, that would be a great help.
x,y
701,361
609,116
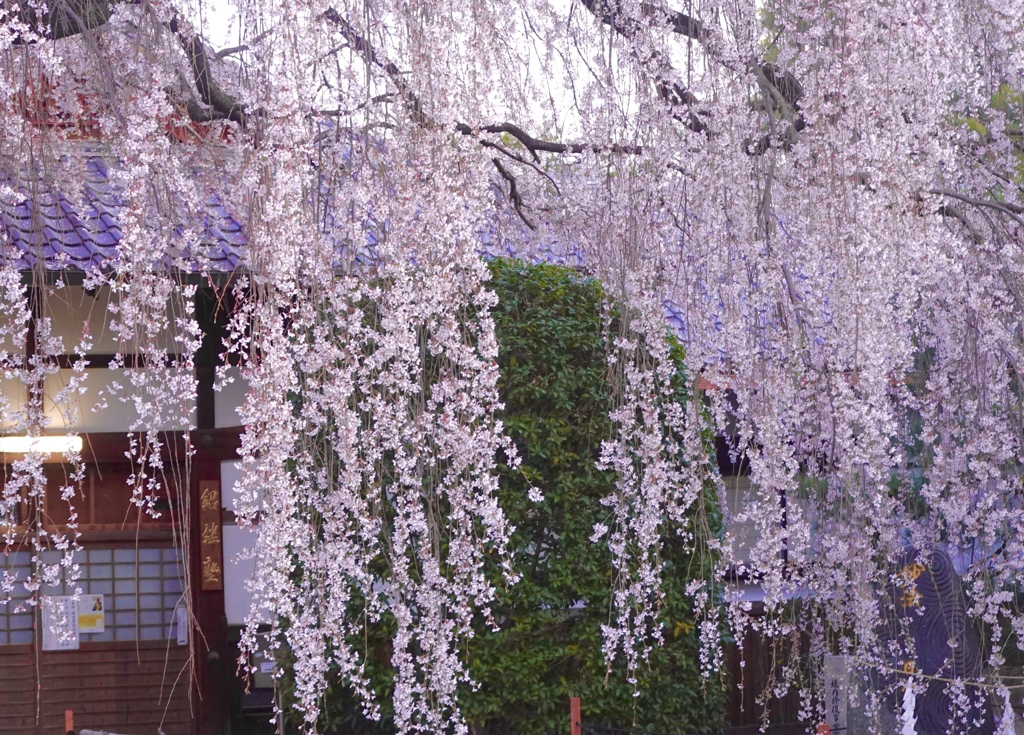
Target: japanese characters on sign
x,y
60,623
837,675
211,553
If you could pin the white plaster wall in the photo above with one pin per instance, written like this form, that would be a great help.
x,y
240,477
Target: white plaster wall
x,y
72,310
230,474
14,393
239,546
239,566
10,344
95,408
737,492
745,592
228,397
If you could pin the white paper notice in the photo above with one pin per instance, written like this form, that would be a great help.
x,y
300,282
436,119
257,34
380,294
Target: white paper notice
x,y
60,623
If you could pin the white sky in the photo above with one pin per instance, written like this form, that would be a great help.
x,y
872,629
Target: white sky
x,y
217,22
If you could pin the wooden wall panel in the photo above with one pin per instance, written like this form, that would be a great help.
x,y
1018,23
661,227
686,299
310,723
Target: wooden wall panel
x,y
758,665
127,687
17,690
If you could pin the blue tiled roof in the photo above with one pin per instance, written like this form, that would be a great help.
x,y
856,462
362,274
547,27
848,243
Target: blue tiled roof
x,y
48,226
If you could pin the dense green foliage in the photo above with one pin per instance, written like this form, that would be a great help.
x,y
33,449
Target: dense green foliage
x,y
548,644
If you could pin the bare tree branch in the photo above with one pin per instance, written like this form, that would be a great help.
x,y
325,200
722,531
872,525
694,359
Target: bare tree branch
x,y
673,93
607,11
516,157
949,211
677,96
198,113
366,50
533,145
1006,209
773,80
783,82
68,18
224,53
385,97
513,192
768,141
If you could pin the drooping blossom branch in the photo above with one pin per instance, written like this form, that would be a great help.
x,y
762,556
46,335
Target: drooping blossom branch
x,y
852,292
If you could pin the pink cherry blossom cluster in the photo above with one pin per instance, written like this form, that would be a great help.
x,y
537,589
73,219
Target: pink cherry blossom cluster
x,y
828,193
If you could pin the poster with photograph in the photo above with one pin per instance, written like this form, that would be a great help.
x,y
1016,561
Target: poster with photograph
x,y
91,614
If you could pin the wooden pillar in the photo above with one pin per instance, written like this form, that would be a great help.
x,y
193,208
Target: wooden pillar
x,y
214,661
575,724
213,654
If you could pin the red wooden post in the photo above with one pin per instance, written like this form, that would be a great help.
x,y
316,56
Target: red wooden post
x,y
575,725
69,722
824,729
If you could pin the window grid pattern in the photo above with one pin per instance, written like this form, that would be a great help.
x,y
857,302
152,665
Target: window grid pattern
x,y
17,617
141,589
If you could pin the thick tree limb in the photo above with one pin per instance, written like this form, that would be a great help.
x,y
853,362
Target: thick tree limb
x,y
670,91
516,157
1008,210
533,145
775,101
784,142
784,83
513,192
65,18
775,81
676,96
607,11
369,54
209,91
198,113
948,211
224,53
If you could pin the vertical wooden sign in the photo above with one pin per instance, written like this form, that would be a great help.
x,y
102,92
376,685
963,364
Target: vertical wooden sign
x,y
837,682
211,547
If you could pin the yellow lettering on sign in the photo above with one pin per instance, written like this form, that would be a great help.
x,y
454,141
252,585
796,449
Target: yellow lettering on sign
x,y
210,499
211,570
211,533
910,598
913,571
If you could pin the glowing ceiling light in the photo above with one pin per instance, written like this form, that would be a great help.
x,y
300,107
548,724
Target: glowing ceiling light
x,y
42,444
